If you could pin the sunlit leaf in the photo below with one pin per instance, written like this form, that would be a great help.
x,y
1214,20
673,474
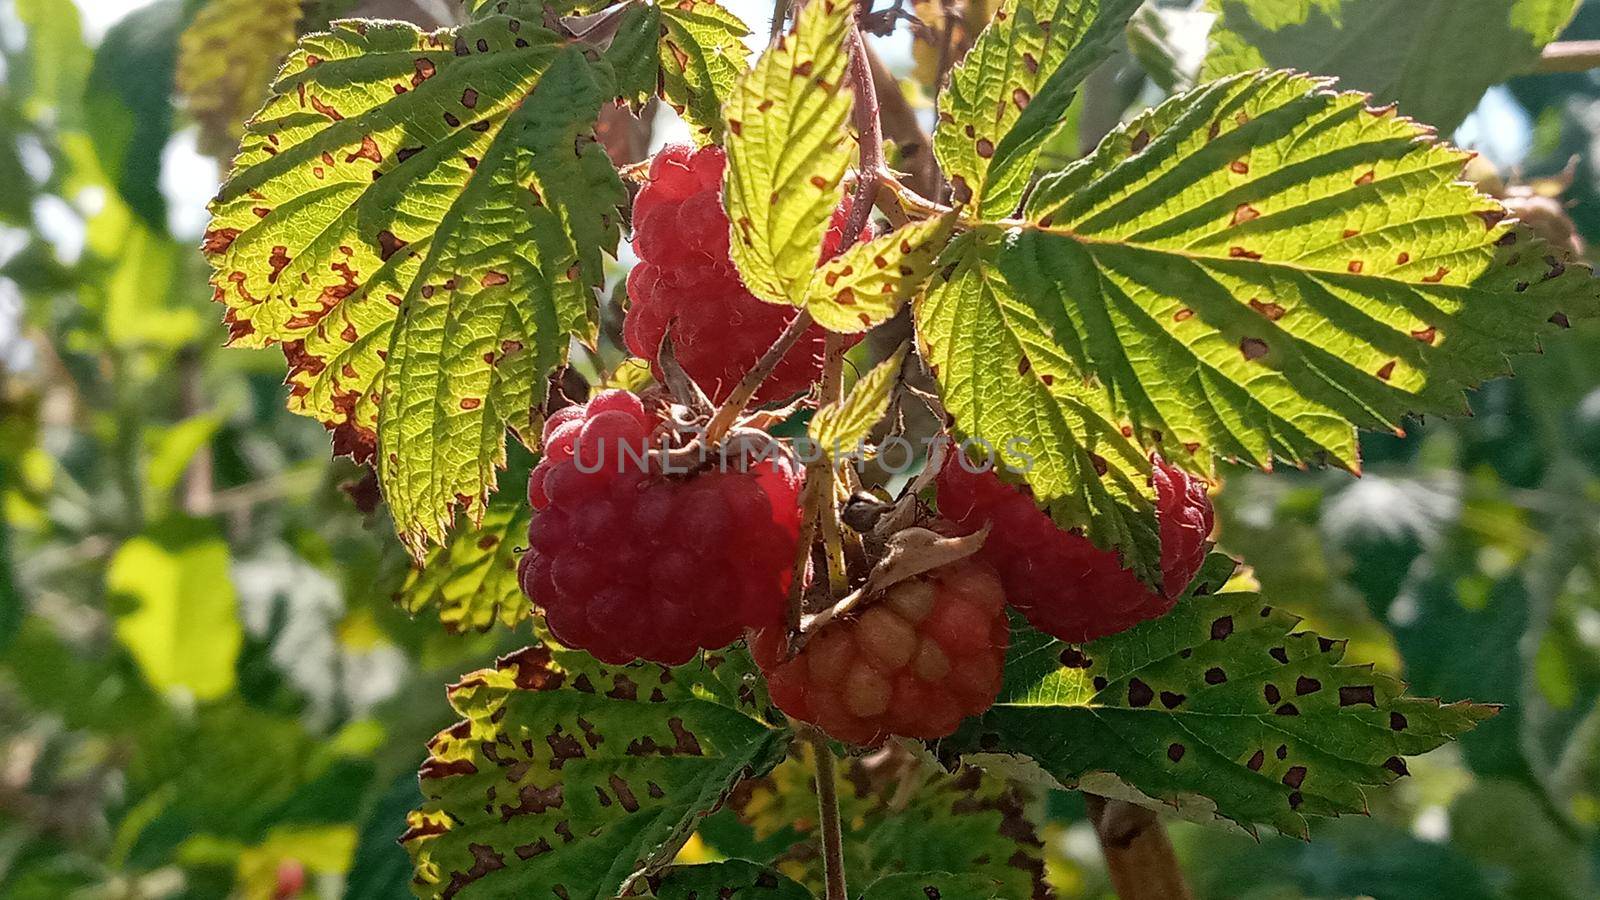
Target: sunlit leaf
x,y
843,426
419,218
787,152
1011,93
176,608
869,282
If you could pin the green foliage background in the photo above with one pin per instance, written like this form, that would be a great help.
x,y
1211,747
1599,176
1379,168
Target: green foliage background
x,y
218,674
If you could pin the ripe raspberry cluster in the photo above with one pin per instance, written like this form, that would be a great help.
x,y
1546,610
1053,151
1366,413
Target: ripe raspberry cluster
x,y
686,280
914,663
1062,582
633,564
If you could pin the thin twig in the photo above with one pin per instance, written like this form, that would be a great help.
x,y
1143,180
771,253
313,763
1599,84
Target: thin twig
x,y
1138,854
870,130
780,17
828,814
899,122
1569,56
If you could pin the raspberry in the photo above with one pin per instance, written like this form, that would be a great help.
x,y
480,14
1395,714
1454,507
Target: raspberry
x,y
915,663
1062,582
628,564
685,279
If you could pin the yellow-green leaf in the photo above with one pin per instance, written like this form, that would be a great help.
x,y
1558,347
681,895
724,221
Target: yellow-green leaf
x,y
1012,91
843,426
226,60
176,610
787,153
869,282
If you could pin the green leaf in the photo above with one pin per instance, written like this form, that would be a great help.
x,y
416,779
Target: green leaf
x,y
1012,91
227,57
634,54
1221,702
787,152
176,609
1026,404
869,282
702,63
128,103
843,426
379,869
472,579
568,777
734,879
419,219
1292,263
1246,272
1434,57
922,885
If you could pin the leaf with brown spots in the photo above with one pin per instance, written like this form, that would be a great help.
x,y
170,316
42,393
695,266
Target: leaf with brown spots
x,y
1011,93
970,821
734,879
418,219
1257,721
868,283
1275,335
572,779
702,62
841,428
787,153
226,59
471,581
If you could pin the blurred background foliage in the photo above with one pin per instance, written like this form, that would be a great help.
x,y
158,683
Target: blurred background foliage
x,y
211,680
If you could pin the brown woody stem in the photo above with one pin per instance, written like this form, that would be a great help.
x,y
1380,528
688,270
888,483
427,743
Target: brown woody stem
x,y
1569,56
828,816
1138,854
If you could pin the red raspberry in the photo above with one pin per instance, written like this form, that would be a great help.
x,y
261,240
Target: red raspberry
x,y
1062,582
917,662
686,279
629,564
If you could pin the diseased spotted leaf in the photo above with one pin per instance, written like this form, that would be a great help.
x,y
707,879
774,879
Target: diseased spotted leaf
x,y
1220,702
923,885
528,10
841,427
734,879
226,58
971,821
869,282
1435,57
572,779
1250,271
633,54
1260,264
1012,91
471,581
702,62
418,219
787,152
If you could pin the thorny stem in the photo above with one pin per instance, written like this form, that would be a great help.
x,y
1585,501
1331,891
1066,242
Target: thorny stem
x,y
828,815
728,413
1138,854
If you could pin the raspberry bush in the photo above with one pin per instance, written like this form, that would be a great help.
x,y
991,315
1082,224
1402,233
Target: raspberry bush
x,y
1247,273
